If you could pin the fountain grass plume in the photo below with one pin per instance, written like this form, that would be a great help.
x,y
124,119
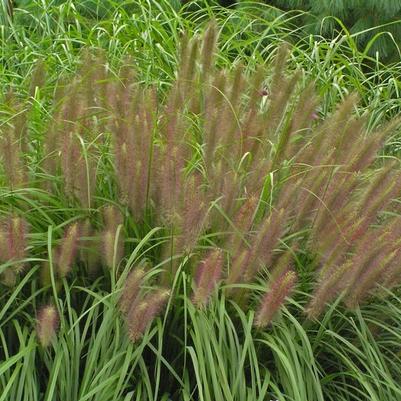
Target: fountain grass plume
x,y
272,301
13,247
144,310
66,252
112,238
47,324
207,276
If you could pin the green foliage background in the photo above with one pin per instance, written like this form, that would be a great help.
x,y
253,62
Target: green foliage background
x,y
375,24
368,19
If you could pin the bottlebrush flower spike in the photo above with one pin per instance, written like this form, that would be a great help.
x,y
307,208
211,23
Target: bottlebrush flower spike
x,y
125,166
213,103
79,172
66,251
243,221
193,213
113,247
393,247
230,185
13,241
240,263
13,164
207,275
142,312
302,117
171,182
70,153
112,217
337,200
47,324
143,169
274,298
265,243
283,263
17,240
369,280
251,130
327,289
131,289
372,204
392,274
21,127
186,75
209,49
380,248
229,141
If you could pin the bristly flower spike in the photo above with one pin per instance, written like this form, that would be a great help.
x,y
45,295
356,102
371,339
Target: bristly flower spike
x,y
142,312
14,167
16,238
66,252
131,289
47,324
113,247
274,298
208,49
207,276
13,247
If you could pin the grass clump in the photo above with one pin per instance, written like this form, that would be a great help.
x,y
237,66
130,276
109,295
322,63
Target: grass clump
x,y
211,238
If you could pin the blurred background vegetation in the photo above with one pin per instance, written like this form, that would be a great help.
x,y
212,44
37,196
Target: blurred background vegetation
x,y
374,25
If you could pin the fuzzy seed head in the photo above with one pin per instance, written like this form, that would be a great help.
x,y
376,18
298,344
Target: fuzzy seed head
x,y
13,241
143,312
47,323
131,289
112,217
113,247
274,299
66,251
207,276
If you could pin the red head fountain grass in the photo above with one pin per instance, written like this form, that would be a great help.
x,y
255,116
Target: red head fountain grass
x,y
47,324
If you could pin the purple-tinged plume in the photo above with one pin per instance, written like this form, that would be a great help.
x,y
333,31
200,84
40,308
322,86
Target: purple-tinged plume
x,y
207,275
142,312
275,297
13,233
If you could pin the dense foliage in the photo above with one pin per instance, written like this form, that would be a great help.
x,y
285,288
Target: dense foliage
x,y
376,25
195,210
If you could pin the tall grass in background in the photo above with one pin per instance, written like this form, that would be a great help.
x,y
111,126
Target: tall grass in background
x,y
209,191
150,32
